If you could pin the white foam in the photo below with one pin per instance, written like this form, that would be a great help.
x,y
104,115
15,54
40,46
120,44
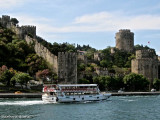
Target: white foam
x,y
22,103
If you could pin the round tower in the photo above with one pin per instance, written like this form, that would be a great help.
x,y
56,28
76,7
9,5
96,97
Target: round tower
x,y
125,40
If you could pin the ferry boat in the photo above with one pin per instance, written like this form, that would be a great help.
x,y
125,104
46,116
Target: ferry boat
x,y
62,93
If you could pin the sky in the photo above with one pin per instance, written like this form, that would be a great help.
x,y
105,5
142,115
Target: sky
x,y
92,22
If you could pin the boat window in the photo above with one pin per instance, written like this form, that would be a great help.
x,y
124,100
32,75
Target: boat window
x,y
51,93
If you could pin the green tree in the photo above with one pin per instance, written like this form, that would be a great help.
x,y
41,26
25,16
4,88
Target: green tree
x,y
107,60
108,82
84,81
21,78
35,63
140,47
121,58
106,63
101,81
114,83
81,67
130,58
6,77
135,82
14,21
156,83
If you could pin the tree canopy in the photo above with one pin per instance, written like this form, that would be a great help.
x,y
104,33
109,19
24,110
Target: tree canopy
x,y
135,82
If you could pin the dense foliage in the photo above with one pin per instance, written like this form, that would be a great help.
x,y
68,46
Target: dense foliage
x,y
21,78
55,47
156,84
17,54
10,77
18,59
136,82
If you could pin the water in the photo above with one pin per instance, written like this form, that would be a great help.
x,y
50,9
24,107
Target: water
x,y
116,108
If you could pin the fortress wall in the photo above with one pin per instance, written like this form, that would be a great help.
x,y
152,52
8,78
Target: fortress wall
x,y
102,71
66,62
44,52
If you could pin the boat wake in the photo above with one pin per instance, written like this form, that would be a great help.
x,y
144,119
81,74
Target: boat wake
x,y
22,103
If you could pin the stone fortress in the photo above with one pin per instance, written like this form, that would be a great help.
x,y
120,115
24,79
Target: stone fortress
x,y
64,65
146,61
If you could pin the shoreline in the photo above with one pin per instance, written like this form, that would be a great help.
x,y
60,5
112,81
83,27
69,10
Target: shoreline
x,y
39,95
134,93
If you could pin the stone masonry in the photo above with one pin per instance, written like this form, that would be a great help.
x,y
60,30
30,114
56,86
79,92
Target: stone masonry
x,y
125,40
65,65
146,63
45,53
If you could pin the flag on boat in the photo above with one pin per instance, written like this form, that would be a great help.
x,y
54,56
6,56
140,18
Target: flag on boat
x,y
45,88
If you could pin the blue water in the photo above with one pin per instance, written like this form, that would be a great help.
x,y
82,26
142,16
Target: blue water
x,y
116,108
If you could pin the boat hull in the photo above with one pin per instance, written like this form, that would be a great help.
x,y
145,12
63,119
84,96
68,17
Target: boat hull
x,y
75,98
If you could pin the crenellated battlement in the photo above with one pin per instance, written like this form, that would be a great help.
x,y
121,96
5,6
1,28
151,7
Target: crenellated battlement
x,y
125,40
20,31
149,53
124,31
29,29
5,20
28,26
67,54
127,34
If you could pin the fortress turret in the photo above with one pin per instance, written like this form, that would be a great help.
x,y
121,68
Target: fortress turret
x,y
5,20
67,67
125,40
146,63
28,30
149,53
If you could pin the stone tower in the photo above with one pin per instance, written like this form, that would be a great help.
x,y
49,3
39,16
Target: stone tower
x,y
125,40
67,67
146,63
5,20
27,30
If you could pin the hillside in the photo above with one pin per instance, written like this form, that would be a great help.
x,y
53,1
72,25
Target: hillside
x,y
17,54
20,60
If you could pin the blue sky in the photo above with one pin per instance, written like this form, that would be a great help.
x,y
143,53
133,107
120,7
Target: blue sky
x,y
92,22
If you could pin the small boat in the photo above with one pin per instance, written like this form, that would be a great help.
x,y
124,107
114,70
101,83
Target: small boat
x,y
63,93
